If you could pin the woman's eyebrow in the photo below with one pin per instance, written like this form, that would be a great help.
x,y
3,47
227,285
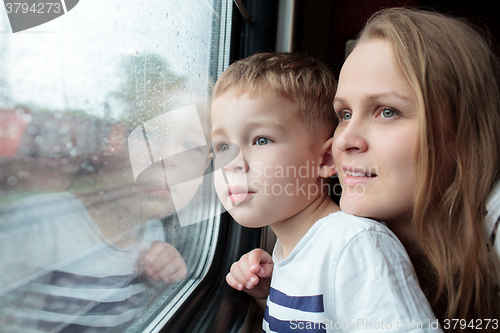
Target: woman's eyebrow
x,y
338,99
392,93
341,100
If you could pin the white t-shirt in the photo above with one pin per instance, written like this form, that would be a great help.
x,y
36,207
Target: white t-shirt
x,y
349,274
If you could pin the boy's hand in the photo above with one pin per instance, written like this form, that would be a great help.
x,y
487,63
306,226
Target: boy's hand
x,y
252,274
163,262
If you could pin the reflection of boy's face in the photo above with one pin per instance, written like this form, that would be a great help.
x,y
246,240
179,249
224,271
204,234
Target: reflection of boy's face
x,y
165,186
169,156
270,179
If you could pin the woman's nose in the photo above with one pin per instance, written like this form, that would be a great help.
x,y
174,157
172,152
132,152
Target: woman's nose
x,y
351,137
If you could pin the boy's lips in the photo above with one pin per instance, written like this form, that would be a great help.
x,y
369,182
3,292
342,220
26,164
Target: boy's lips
x,y
239,194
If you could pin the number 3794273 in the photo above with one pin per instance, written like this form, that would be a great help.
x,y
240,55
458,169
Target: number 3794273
x,y
477,324
36,8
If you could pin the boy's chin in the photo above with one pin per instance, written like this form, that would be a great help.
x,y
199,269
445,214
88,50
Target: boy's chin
x,y
245,221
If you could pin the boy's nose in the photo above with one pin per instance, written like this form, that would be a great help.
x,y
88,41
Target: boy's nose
x,y
238,164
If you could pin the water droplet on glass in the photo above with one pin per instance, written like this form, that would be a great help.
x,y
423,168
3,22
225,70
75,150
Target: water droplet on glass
x,y
27,118
12,180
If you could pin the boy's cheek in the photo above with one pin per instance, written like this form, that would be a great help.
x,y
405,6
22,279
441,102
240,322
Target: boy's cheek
x,y
255,185
255,170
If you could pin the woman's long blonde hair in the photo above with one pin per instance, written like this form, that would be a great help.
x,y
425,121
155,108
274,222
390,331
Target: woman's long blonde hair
x,y
456,78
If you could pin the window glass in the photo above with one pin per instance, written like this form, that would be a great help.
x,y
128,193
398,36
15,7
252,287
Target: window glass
x,y
108,216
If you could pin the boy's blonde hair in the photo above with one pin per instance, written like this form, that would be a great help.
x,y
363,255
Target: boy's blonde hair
x,y
303,80
456,78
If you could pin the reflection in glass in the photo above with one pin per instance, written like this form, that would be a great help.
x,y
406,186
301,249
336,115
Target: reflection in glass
x,y
107,206
169,155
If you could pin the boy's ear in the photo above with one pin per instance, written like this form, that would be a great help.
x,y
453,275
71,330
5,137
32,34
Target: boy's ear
x,y
327,166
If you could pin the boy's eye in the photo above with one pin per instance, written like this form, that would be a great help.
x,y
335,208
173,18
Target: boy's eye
x,y
262,141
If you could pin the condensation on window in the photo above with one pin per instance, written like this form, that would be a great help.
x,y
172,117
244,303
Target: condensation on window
x,y
107,208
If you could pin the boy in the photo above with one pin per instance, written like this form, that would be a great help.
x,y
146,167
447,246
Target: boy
x,y
272,125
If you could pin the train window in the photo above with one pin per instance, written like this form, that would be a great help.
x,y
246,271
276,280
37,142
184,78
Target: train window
x,y
108,217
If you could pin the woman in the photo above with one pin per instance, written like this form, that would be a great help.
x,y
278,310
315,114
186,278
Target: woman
x,y
430,133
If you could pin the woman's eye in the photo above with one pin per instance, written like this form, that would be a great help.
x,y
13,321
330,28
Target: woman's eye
x,y
388,113
345,116
262,141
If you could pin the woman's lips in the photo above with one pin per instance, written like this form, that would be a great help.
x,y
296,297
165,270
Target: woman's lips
x,y
354,177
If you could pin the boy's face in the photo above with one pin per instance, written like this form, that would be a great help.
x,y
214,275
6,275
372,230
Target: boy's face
x,y
266,167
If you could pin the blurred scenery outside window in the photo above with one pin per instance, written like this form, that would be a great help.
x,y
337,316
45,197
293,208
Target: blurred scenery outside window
x,y
108,215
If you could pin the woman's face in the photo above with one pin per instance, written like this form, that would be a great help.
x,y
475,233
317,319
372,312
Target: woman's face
x,y
375,142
